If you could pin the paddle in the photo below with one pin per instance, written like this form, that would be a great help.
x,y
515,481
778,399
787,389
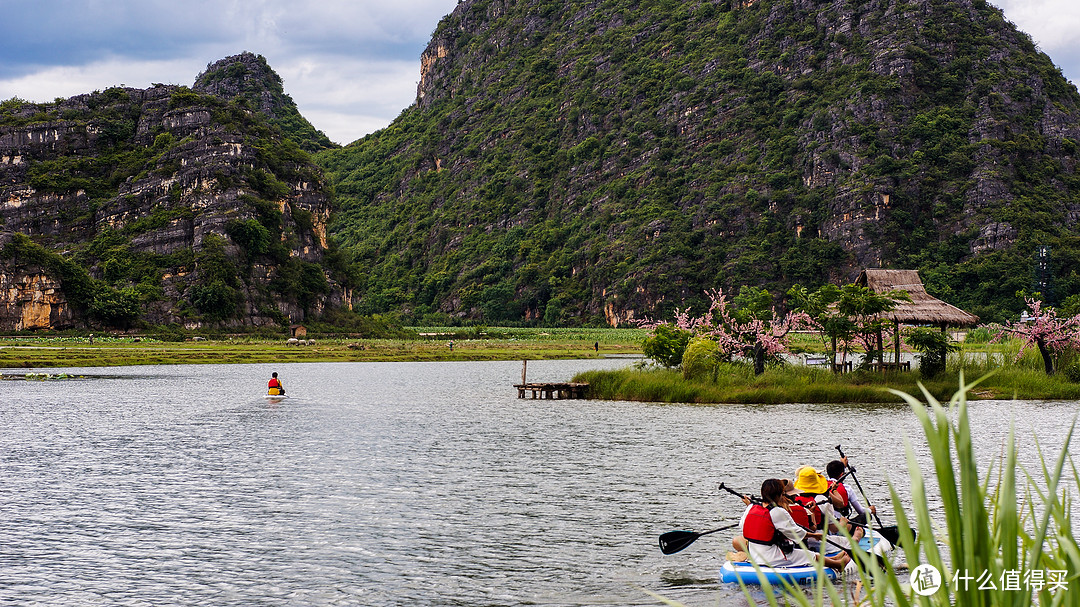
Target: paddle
x,y
674,541
851,470
890,533
752,498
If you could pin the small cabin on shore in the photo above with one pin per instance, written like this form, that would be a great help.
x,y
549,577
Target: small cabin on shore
x,y
298,331
923,309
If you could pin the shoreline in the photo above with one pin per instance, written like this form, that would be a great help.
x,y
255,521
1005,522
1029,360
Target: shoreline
x,y
801,385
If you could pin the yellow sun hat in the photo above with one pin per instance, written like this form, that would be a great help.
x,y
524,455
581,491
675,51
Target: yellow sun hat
x,y
808,480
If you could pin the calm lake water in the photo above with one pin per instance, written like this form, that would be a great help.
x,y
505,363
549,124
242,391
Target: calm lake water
x,y
403,484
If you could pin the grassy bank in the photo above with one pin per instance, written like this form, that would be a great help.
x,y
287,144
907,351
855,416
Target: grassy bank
x,y
794,384
490,344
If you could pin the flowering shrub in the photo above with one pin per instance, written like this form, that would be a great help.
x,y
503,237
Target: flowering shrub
x,y
1045,330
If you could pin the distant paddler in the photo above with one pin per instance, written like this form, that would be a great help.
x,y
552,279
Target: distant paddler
x,y
274,386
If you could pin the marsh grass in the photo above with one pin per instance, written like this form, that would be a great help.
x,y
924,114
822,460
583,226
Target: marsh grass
x,y
736,383
1002,523
995,524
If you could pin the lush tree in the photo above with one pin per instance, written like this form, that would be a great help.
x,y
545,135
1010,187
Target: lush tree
x,y
846,315
866,310
820,305
751,332
666,345
934,347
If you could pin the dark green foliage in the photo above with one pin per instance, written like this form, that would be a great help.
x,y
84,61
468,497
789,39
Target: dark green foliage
x,y
300,280
934,345
667,345
215,294
344,320
631,155
216,299
115,307
251,235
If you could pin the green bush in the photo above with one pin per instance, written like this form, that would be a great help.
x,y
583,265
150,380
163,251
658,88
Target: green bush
x,y
934,346
701,360
250,235
666,346
117,307
216,301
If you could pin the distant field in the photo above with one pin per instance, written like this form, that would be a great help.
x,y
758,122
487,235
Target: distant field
x,y
491,343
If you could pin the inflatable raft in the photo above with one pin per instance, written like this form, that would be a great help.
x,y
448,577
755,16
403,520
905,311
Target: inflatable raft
x,y
744,571
734,572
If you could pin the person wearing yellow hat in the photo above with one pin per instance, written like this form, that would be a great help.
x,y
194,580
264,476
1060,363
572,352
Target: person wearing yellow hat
x,y
814,493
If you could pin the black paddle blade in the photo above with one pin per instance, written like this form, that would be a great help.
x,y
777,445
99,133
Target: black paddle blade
x,y
674,541
892,534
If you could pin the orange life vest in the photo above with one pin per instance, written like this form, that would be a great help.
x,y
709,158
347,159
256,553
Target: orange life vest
x,y
809,502
758,526
841,490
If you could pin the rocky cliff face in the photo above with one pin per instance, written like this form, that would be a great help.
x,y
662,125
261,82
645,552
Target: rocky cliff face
x,y
30,299
600,160
249,78
179,207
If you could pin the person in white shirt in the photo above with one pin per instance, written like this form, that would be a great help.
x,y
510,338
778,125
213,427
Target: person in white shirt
x,y
834,470
773,539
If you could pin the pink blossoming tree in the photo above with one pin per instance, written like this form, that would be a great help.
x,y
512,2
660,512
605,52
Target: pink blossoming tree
x,y
752,330
1045,330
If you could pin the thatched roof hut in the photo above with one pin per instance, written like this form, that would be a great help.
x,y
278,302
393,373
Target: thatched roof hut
x,y
923,309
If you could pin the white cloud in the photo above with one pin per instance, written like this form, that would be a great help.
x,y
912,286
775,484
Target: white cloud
x,y
348,99
1054,25
351,66
68,81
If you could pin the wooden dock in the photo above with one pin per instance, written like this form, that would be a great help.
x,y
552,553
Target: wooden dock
x,y
551,391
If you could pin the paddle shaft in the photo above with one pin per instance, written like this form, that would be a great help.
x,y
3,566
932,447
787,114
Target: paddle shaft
x,y
720,529
753,499
851,471
674,541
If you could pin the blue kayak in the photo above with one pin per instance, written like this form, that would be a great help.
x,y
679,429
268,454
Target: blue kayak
x,y
864,543
734,572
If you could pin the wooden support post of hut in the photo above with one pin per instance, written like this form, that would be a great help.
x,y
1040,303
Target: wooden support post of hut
x,y
923,309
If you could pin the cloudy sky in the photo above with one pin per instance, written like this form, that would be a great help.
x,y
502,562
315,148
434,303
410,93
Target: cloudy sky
x,y
350,65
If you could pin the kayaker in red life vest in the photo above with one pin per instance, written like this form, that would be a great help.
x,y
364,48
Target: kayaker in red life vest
x,y
820,498
274,387
834,470
773,539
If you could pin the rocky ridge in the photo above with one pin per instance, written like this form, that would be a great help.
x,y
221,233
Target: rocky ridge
x,y
178,208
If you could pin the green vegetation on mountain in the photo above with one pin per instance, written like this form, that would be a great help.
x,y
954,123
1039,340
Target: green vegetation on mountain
x,y
161,206
248,79
582,161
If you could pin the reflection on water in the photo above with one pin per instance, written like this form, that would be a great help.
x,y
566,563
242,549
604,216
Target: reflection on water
x,y
403,484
